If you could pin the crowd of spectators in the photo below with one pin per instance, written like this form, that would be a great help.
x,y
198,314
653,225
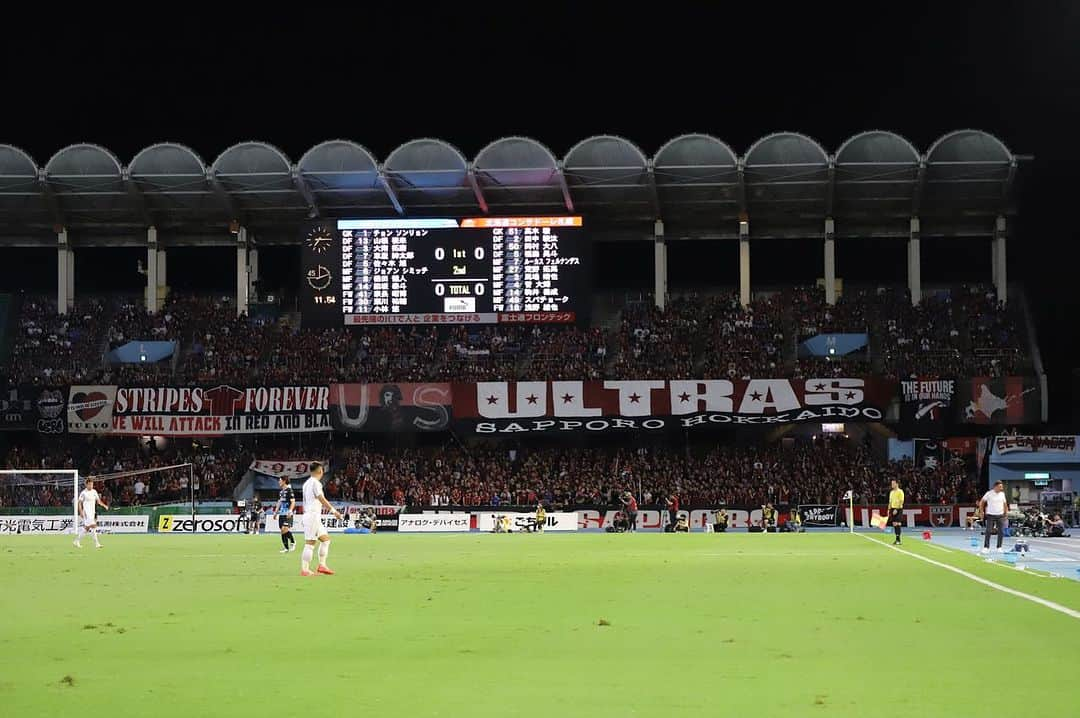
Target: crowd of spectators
x,y
965,332
804,472
785,473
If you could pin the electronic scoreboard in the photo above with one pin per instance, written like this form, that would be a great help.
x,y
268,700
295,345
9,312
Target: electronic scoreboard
x,y
445,271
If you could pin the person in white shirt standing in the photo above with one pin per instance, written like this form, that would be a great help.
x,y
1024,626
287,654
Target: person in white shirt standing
x,y
994,507
314,531
89,500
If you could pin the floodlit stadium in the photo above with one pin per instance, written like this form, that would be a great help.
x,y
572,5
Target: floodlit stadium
x,y
644,423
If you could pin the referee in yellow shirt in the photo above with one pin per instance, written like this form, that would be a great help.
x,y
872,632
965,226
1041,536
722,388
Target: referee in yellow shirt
x,y
896,509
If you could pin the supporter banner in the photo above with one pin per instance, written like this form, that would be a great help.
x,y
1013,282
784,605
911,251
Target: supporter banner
x,y
1032,444
540,406
390,407
939,516
819,514
433,523
197,411
120,524
26,407
929,454
90,409
283,469
924,404
201,524
1004,400
521,521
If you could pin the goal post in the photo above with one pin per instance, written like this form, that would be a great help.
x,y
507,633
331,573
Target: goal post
x,y
46,500
40,489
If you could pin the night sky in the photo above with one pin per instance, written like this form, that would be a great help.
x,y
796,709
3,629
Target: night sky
x,y
1012,69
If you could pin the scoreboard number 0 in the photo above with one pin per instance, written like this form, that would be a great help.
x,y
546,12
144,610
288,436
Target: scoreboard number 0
x,y
440,253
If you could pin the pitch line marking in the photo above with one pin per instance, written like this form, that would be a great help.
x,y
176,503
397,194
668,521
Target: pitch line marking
x,y
978,579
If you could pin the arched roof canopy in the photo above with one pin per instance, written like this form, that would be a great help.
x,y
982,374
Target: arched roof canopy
x,y
605,170
787,173
696,174
343,177
876,172
431,176
257,177
968,170
20,192
172,180
517,172
88,184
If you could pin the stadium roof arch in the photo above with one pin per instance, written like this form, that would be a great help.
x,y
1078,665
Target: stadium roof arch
x,y
174,185
255,181
969,171
85,183
611,176
431,176
520,175
22,199
785,183
875,173
697,175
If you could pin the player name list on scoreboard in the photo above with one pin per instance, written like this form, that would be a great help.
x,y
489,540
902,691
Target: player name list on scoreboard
x,y
478,266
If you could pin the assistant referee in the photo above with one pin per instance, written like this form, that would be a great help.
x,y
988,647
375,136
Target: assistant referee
x,y
896,508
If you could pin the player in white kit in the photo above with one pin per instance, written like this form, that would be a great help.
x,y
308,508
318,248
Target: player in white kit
x,y
314,531
89,500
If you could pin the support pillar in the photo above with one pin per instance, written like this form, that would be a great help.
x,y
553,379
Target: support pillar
x,y
914,263
253,273
660,269
242,284
70,278
62,268
744,262
1001,273
162,274
830,262
151,270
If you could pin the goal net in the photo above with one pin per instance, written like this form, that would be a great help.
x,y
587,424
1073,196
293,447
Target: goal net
x,y
45,501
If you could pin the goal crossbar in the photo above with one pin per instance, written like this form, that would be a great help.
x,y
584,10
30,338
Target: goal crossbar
x,y
107,477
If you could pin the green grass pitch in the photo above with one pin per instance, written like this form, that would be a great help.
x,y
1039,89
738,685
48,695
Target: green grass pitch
x,y
525,625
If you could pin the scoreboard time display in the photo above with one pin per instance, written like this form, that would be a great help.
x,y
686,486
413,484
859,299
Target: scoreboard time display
x,y
480,270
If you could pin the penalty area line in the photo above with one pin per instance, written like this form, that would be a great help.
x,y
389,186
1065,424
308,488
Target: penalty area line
x,y
978,579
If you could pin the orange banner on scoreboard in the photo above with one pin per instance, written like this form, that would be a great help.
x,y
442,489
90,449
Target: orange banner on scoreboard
x,y
486,222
